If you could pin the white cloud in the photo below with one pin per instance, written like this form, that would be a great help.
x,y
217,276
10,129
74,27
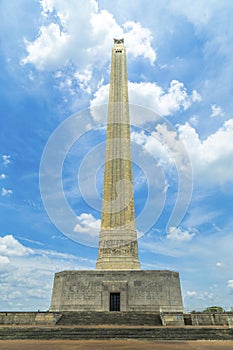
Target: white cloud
x,y
77,38
4,260
197,12
100,98
155,98
6,192
87,224
220,264
191,294
177,234
216,111
138,41
170,155
199,216
9,246
83,34
230,284
206,296
2,176
201,295
6,159
84,79
194,120
27,276
152,97
52,43
211,158
54,254
196,97
204,246
153,144
47,5
212,22
171,158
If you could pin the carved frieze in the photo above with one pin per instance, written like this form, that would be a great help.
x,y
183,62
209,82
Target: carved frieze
x,y
119,248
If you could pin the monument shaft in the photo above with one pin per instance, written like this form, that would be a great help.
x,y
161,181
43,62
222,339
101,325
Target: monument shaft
x,y
118,247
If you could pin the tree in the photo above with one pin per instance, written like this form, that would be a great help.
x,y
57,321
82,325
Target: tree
x,y
214,309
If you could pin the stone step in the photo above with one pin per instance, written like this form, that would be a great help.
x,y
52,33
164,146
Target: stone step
x,y
109,318
152,333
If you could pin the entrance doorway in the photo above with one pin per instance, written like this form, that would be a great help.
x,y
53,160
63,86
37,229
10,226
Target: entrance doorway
x,y
114,301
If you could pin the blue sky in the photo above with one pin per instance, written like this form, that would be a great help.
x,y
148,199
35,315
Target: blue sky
x,y
55,64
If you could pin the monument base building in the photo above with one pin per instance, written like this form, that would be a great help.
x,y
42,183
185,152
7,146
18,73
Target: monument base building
x,y
119,290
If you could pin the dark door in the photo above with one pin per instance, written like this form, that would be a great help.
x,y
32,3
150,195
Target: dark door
x,y
114,301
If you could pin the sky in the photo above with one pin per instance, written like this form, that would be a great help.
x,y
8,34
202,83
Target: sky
x,y
54,81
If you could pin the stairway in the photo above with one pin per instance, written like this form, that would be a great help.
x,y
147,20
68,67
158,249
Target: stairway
x,y
139,333
109,318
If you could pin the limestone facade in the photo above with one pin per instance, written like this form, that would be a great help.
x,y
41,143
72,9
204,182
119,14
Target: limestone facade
x,y
145,290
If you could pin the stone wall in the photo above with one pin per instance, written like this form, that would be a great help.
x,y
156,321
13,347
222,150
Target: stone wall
x,y
172,318
29,318
211,319
131,318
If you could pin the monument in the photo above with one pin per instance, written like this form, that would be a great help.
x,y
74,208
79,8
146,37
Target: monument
x,y
117,284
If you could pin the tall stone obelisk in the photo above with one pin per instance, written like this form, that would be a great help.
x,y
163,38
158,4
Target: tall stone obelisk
x,y
118,247
120,285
